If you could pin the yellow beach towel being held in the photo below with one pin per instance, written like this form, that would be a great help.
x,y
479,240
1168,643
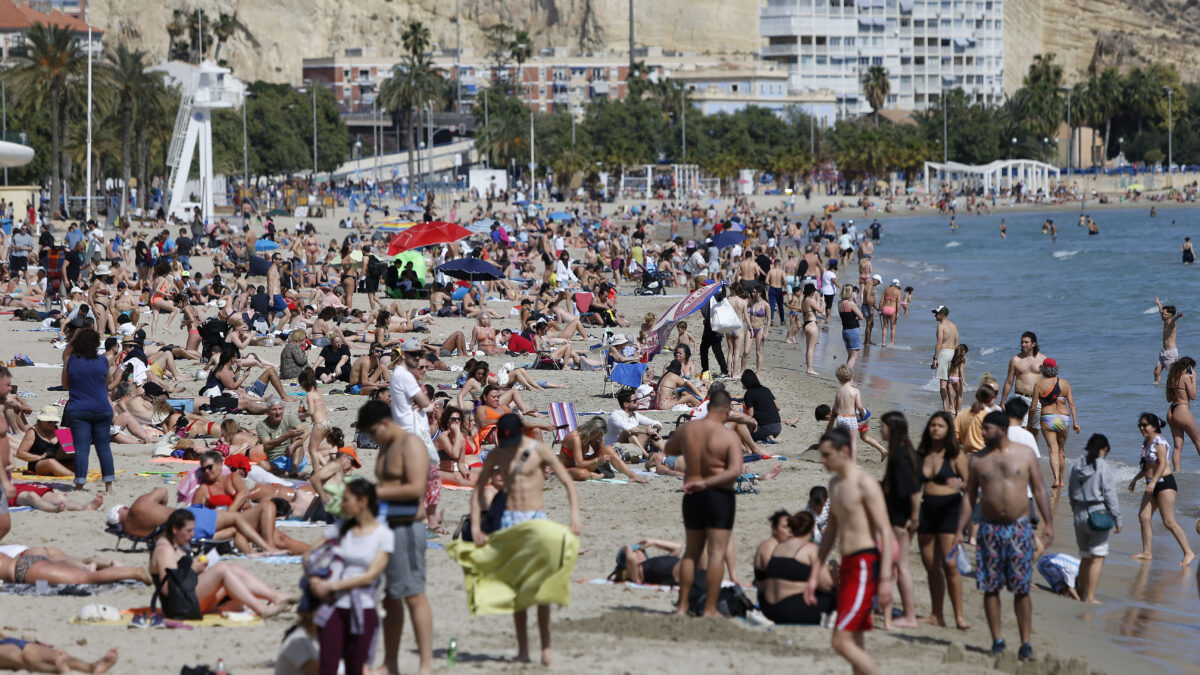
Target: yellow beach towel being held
x,y
520,566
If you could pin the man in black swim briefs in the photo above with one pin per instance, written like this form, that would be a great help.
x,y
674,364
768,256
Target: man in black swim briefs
x,y
714,461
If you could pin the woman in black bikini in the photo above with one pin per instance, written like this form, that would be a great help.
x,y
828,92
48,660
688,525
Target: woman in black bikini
x,y
811,307
942,471
41,447
1181,389
787,574
634,565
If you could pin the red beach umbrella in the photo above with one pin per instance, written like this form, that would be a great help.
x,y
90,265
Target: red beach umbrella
x,y
426,234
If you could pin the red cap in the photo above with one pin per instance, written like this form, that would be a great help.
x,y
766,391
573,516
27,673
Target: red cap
x,y
235,462
352,454
1050,363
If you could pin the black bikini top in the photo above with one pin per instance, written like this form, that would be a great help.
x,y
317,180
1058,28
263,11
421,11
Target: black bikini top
x,y
787,569
944,474
1051,397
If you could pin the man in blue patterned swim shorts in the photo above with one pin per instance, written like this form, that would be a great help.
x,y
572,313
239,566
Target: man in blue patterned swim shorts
x,y
999,474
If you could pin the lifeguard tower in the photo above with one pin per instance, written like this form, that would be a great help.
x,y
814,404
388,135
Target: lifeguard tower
x,y
193,127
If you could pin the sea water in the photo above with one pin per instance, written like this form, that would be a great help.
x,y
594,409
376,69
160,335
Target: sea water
x,y
1090,300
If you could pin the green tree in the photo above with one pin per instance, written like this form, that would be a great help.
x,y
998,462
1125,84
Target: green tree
x,y
130,84
52,68
222,29
1046,105
505,136
413,84
876,88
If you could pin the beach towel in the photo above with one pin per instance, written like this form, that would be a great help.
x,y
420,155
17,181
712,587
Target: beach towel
x,y
520,566
67,589
224,619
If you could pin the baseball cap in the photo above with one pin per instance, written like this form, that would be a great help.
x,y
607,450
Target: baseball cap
x,y
352,454
411,345
509,430
941,309
877,278
1050,363
895,282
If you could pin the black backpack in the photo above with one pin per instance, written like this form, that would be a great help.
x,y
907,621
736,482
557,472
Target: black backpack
x,y
375,267
731,601
180,602
213,332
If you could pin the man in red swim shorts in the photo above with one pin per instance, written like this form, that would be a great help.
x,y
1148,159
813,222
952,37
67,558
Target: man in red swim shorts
x,y
857,522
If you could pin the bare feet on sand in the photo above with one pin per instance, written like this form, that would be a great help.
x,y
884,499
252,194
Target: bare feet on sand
x,y
1142,556
95,504
962,623
105,664
933,621
904,623
773,473
1187,559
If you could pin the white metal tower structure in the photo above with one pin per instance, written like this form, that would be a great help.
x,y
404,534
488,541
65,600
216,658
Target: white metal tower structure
x,y
193,127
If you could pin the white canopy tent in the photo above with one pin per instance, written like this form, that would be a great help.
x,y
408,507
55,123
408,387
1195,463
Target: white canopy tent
x,y
1034,175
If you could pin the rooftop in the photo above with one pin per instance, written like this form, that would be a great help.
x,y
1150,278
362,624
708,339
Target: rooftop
x,y
16,16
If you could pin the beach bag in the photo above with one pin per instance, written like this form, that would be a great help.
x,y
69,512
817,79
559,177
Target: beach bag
x,y
731,601
723,319
179,601
1100,520
490,520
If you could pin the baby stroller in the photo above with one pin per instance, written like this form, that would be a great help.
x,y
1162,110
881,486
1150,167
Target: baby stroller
x,y
651,281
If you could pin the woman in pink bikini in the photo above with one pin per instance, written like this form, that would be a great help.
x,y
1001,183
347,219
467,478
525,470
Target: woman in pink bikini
x,y
889,307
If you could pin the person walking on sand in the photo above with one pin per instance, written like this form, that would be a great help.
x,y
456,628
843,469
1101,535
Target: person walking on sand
x,y
942,469
858,524
902,495
713,456
1093,494
1170,352
943,352
1058,413
402,469
1161,489
1024,371
998,477
521,463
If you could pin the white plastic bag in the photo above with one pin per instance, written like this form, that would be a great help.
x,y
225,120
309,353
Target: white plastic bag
x,y
723,318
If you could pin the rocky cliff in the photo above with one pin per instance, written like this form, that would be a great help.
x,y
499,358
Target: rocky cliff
x,y
273,37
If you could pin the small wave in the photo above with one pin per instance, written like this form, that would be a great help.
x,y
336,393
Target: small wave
x,y
931,385
1064,254
1152,310
988,350
1124,472
953,244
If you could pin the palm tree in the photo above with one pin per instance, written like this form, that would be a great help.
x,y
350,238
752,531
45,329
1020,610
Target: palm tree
x,y
1108,102
520,49
175,28
53,66
222,30
876,88
154,126
415,38
411,86
130,85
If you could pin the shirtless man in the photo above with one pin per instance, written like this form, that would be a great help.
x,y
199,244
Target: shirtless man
x,y
369,374
943,351
747,270
278,305
713,456
775,280
1024,371
1000,474
402,470
1169,353
150,511
530,459
6,487
858,523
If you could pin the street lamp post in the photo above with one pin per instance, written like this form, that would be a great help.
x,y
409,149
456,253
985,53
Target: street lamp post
x,y
245,159
314,93
1170,130
87,209
1070,131
1045,147
945,132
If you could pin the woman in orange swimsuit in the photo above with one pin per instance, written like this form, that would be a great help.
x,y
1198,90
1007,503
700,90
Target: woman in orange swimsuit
x,y
458,453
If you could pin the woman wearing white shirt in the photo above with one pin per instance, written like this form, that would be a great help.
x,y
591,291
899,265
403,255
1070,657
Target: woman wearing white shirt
x,y
348,619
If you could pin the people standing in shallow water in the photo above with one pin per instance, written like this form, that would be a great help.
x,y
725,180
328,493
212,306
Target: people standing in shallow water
x,y
1170,352
1181,390
1189,254
1053,394
1161,489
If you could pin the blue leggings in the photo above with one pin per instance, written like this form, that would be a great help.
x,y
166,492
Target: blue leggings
x,y
775,299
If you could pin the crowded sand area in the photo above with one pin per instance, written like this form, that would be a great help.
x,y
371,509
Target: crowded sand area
x,y
607,627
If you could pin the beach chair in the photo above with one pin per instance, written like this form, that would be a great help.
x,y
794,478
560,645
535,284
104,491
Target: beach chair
x,y
564,418
121,535
624,374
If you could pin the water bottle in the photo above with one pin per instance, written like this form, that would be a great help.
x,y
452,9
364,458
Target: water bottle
x,y
452,653
221,667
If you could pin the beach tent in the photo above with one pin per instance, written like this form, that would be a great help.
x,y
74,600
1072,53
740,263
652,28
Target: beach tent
x,y
471,269
416,259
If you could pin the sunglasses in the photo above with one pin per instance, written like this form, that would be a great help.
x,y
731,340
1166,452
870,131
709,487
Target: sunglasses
x,y
422,367
209,467
1142,425
455,418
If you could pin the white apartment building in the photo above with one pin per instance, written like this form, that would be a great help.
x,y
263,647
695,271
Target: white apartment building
x,y
925,45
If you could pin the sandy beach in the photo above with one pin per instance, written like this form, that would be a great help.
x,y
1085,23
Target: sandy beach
x,y
607,628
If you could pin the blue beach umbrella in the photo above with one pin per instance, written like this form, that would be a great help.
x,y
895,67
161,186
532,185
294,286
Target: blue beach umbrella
x,y
560,216
410,208
727,239
470,269
483,226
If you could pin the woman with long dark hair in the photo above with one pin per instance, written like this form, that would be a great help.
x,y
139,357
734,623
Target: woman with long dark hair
x,y
902,495
364,547
1181,389
942,470
89,412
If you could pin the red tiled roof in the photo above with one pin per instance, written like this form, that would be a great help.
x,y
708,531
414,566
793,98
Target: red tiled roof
x,y
15,16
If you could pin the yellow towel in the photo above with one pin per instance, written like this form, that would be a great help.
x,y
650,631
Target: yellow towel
x,y
521,566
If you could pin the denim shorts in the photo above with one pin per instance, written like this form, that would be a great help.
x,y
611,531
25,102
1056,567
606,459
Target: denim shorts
x,y
852,339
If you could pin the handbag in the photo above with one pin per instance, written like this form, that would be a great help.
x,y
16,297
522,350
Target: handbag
x,y
1100,520
177,589
489,521
724,319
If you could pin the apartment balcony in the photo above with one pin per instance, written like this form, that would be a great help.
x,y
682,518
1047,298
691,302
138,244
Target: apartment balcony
x,y
778,26
780,50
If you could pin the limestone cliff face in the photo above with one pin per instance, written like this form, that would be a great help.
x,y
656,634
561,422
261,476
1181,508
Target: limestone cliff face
x,y
1090,35
278,34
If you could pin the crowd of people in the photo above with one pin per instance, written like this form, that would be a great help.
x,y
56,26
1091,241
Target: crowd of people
x,y
160,349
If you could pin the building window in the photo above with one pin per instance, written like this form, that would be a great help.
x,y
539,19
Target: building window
x,y
849,42
733,87
345,74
